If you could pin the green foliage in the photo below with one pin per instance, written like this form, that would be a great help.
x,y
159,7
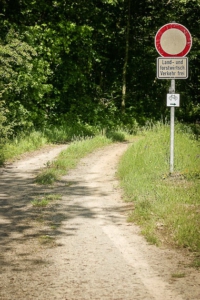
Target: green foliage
x,y
68,132
65,61
116,136
5,129
22,82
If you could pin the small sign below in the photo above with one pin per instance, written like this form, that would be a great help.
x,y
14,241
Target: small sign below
x,y
173,100
172,68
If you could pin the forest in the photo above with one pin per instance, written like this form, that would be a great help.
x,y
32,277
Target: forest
x,y
91,62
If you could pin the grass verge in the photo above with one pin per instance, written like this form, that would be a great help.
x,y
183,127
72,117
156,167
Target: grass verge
x,y
167,206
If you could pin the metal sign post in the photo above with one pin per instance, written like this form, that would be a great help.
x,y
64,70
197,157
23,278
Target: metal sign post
x,y
172,121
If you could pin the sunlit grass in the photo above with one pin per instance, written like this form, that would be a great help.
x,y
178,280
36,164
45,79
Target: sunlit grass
x,y
22,144
167,206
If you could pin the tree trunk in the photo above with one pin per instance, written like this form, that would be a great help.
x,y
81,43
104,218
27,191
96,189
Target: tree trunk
x,y
124,72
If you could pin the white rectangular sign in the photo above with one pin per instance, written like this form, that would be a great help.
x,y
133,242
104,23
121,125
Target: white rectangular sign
x,y
172,68
173,100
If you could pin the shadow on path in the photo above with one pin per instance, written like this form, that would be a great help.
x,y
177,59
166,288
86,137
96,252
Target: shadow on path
x,y
21,223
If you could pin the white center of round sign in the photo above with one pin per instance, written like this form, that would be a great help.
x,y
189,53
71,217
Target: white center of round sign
x,y
173,41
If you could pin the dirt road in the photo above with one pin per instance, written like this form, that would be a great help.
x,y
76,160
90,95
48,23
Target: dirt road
x,y
81,247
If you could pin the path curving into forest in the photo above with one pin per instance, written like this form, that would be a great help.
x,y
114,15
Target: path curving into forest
x,y
94,253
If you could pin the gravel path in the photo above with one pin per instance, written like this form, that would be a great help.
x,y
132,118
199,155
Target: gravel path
x,y
81,247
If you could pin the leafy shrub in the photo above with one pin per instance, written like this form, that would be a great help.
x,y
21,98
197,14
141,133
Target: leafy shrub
x,y
116,136
23,82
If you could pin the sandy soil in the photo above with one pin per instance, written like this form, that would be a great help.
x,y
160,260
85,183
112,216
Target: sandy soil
x,y
81,247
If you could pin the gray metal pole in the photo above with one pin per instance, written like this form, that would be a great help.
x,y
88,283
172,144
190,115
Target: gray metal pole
x,y
172,118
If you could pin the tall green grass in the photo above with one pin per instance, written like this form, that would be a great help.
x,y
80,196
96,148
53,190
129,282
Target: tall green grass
x,y
167,206
21,144
26,142
69,132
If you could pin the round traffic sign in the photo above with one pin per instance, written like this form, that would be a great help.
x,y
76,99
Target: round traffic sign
x,y
173,40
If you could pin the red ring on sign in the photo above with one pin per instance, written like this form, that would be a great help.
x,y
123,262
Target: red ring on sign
x,y
166,27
